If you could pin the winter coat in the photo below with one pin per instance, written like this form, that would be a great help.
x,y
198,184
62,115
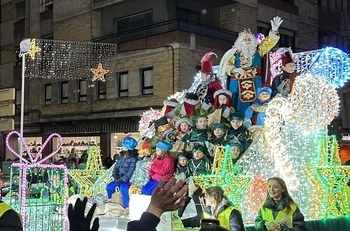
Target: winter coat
x,y
162,167
229,217
124,168
294,215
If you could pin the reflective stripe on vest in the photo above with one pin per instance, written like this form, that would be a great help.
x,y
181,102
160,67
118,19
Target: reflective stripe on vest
x,y
223,217
4,208
282,216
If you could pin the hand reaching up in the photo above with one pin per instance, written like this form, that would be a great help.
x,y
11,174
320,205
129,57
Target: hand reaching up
x,y
167,198
77,219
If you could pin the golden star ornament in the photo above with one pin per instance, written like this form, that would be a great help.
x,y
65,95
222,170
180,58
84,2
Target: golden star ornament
x,y
99,73
33,49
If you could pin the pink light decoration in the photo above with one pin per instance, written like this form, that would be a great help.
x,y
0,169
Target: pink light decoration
x,y
33,163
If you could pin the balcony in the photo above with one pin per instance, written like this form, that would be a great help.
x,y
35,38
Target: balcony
x,y
166,27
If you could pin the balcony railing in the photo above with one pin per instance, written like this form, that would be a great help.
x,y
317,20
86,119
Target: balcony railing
x,y
166,27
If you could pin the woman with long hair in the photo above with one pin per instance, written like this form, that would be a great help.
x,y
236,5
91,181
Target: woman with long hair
x,y
279,211
217,206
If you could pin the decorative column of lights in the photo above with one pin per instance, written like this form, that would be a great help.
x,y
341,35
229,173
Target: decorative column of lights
x,y
30,222
59,59
277,112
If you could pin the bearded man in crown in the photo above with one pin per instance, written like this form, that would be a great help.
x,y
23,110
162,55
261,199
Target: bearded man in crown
x,y
242,64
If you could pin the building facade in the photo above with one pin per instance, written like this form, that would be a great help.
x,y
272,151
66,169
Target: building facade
x,y
159,48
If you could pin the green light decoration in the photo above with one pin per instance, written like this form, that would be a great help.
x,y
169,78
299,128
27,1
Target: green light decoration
x,y
223,175
86,178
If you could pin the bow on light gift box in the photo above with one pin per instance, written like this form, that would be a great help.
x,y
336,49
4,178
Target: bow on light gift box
x,y
38,189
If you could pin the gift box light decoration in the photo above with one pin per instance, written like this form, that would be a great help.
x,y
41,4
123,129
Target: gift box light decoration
x,y
41,203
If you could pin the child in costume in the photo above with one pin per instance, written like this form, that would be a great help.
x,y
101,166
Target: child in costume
x,y
123,170
279,211
283,83
238,132
255,113
197,166
210,83
221,107
162,165
183,127
198,134
236,151
218,137
140,176
181,167
217,206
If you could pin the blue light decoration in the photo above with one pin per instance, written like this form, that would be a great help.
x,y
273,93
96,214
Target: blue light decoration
x,y
332,64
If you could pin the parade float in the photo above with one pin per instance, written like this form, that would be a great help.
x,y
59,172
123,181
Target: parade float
x,y
293,144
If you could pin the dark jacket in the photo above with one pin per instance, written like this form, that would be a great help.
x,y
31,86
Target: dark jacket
x,y
147,222
124,168
9,220
299,223
235,218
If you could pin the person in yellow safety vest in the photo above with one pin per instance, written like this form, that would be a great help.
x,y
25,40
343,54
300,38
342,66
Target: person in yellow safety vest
x,y
217,206
279,211
10,220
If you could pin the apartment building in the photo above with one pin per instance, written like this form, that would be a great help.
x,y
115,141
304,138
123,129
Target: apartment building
x,y
159,45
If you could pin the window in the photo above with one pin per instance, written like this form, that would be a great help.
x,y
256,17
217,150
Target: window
x,y
101,90
48,94
134,21
82,90
46,5
188,15
123,84
18,98
64,92
147,81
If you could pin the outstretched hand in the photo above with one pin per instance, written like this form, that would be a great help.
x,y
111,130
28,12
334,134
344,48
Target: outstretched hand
x,y
167,198
275,23
77,219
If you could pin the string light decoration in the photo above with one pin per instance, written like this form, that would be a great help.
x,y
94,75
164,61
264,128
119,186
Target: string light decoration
x,y
333,65
224,175
34,49
99,73
68,59
147,117
52,210
315,102
85,179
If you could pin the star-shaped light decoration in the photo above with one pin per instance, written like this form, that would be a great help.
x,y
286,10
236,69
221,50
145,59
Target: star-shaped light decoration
x,y
99,73
225,175
34,49
85,179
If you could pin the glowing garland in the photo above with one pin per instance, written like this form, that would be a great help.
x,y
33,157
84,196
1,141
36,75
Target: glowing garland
x,y
38,164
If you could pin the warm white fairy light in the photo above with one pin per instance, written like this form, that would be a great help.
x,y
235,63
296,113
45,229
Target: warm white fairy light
x,y
315,102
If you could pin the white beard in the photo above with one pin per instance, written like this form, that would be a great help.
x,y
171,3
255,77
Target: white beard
x,y
246,50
